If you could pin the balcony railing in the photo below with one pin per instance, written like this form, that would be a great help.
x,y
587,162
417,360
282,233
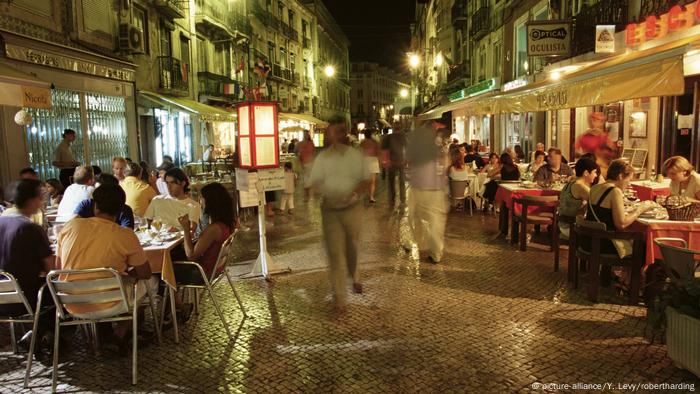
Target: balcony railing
x,y
172,9
604,12
174,75
213,18
459,14
276,71
211,84
480,23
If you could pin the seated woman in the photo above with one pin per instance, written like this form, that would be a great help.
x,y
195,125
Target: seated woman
x,y
493,169
574,195
509,172
458,171
685,182
54,192
606,205
537,162
218,205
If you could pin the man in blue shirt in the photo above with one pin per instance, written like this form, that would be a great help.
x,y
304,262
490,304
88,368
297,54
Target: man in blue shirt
x,y
86,208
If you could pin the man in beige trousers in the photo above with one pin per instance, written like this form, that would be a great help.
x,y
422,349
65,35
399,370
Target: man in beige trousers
x,y
340,176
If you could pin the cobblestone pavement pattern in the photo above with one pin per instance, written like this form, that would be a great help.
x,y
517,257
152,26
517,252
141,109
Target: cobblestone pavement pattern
x,y
488,319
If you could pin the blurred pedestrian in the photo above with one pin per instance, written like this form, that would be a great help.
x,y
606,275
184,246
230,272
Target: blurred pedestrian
x,y
340,176
305,151
370,148
427,200
394,161
290,178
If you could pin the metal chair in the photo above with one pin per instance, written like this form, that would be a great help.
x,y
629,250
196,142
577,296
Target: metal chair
x,y
458,194
550,203
11,293
104,286
679,263
208,283
596,259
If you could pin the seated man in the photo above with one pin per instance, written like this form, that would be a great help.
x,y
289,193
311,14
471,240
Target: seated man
x,y
98,242
138,193
554,167
36,218
82,189
473,157
86,208
169,209
25,251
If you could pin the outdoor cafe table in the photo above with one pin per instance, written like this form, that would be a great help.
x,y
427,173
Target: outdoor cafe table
x,y
504,199
648,190
653,229
158,256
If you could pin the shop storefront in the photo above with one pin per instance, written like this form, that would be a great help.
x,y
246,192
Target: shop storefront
x,y
292,126
91,94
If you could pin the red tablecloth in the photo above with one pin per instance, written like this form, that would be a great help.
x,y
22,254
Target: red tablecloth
x,y
646,193
689,231
506,196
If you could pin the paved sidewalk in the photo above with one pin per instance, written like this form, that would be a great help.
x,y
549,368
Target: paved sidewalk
x,y
489,319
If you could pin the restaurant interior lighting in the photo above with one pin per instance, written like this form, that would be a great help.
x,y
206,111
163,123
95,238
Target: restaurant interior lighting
x,y
329,71
555,75
404,93
438,60
360,126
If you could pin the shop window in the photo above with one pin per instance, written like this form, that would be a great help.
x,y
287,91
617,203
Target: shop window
x,y
107,131
173,135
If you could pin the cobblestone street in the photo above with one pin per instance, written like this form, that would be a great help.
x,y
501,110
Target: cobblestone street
x,y
488,319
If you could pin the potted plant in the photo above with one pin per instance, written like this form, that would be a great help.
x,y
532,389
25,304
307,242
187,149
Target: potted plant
x,y
677,311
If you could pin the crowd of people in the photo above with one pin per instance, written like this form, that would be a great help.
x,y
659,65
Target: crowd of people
x,y
95,227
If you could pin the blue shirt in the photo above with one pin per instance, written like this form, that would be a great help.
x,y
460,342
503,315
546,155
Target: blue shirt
x,y
86,209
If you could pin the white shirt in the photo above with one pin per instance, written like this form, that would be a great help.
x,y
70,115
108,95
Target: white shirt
x,y
336,174
162,187
169,209
73,196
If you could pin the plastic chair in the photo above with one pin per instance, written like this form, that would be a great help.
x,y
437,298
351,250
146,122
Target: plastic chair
x,y
551,204
679,263
11,293
458,194
215,277
107,287
596,259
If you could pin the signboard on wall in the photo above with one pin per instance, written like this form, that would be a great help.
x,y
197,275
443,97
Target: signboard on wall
x,y
549,38
605,39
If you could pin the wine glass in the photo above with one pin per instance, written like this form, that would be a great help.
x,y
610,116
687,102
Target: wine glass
x,y
157,224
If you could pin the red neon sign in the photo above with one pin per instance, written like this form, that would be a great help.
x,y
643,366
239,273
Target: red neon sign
x,y
678,18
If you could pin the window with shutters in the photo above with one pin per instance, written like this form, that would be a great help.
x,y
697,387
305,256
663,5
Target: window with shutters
x,y
45,13
140,21
96,22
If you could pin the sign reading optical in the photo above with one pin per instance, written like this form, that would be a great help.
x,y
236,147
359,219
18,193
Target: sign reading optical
x,y
549,38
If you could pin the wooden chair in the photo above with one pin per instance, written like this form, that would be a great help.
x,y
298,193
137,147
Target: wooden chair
x,y
549,218
571,241
596,259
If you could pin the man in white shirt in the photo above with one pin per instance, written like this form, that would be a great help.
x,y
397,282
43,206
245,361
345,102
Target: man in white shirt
x,y
340,176
82,189
168,209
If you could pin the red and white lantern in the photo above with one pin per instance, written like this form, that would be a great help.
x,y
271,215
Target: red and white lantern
x,y
258,141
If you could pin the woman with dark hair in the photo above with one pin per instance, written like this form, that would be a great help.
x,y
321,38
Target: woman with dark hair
x,y
457,171
218,205
54,192
519,153
509,171
493,169
574,195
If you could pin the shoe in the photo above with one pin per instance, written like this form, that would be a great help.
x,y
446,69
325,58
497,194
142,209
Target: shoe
x,y
372,201
357,288
432,259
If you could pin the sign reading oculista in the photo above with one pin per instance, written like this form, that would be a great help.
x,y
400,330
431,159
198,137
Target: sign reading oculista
x,y
548,38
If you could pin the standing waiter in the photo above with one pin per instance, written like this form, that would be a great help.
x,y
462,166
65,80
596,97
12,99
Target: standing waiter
x,y
64,159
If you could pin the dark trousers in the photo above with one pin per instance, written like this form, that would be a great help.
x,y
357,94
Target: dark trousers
x,y
65,175
393,173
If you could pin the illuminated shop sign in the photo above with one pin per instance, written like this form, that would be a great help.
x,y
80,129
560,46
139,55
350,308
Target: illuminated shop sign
x,y
548,38
476,89
678,18
516,84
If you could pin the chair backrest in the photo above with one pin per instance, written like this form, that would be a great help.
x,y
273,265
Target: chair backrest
x,y
103,285
457,188
224,253
679,263
597,230
11,293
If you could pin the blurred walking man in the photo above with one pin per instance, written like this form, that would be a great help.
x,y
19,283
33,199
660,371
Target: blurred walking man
x,y
340,176
394,161
427,200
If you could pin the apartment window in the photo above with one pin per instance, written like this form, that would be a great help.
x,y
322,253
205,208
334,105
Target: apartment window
x,y
202,51
140,21
166,46
497,59
360,109
185,50
270,52
268,5
293,61
304,25
283,57
521,62
280,10
291,18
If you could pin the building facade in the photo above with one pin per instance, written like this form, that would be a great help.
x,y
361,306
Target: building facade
x,y
376,95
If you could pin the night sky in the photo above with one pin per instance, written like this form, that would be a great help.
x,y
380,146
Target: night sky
x,y
379,30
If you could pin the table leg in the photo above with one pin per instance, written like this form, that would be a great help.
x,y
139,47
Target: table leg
x,y
173,314
503,219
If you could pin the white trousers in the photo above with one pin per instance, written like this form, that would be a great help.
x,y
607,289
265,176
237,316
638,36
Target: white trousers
x,y
427,215
287,200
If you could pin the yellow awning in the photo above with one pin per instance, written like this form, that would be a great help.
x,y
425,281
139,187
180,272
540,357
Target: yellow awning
x,y
651,73
19,89
205,112
303,118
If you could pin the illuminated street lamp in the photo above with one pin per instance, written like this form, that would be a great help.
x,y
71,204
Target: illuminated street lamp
x,y
329,71
404,92
413,60
438,60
